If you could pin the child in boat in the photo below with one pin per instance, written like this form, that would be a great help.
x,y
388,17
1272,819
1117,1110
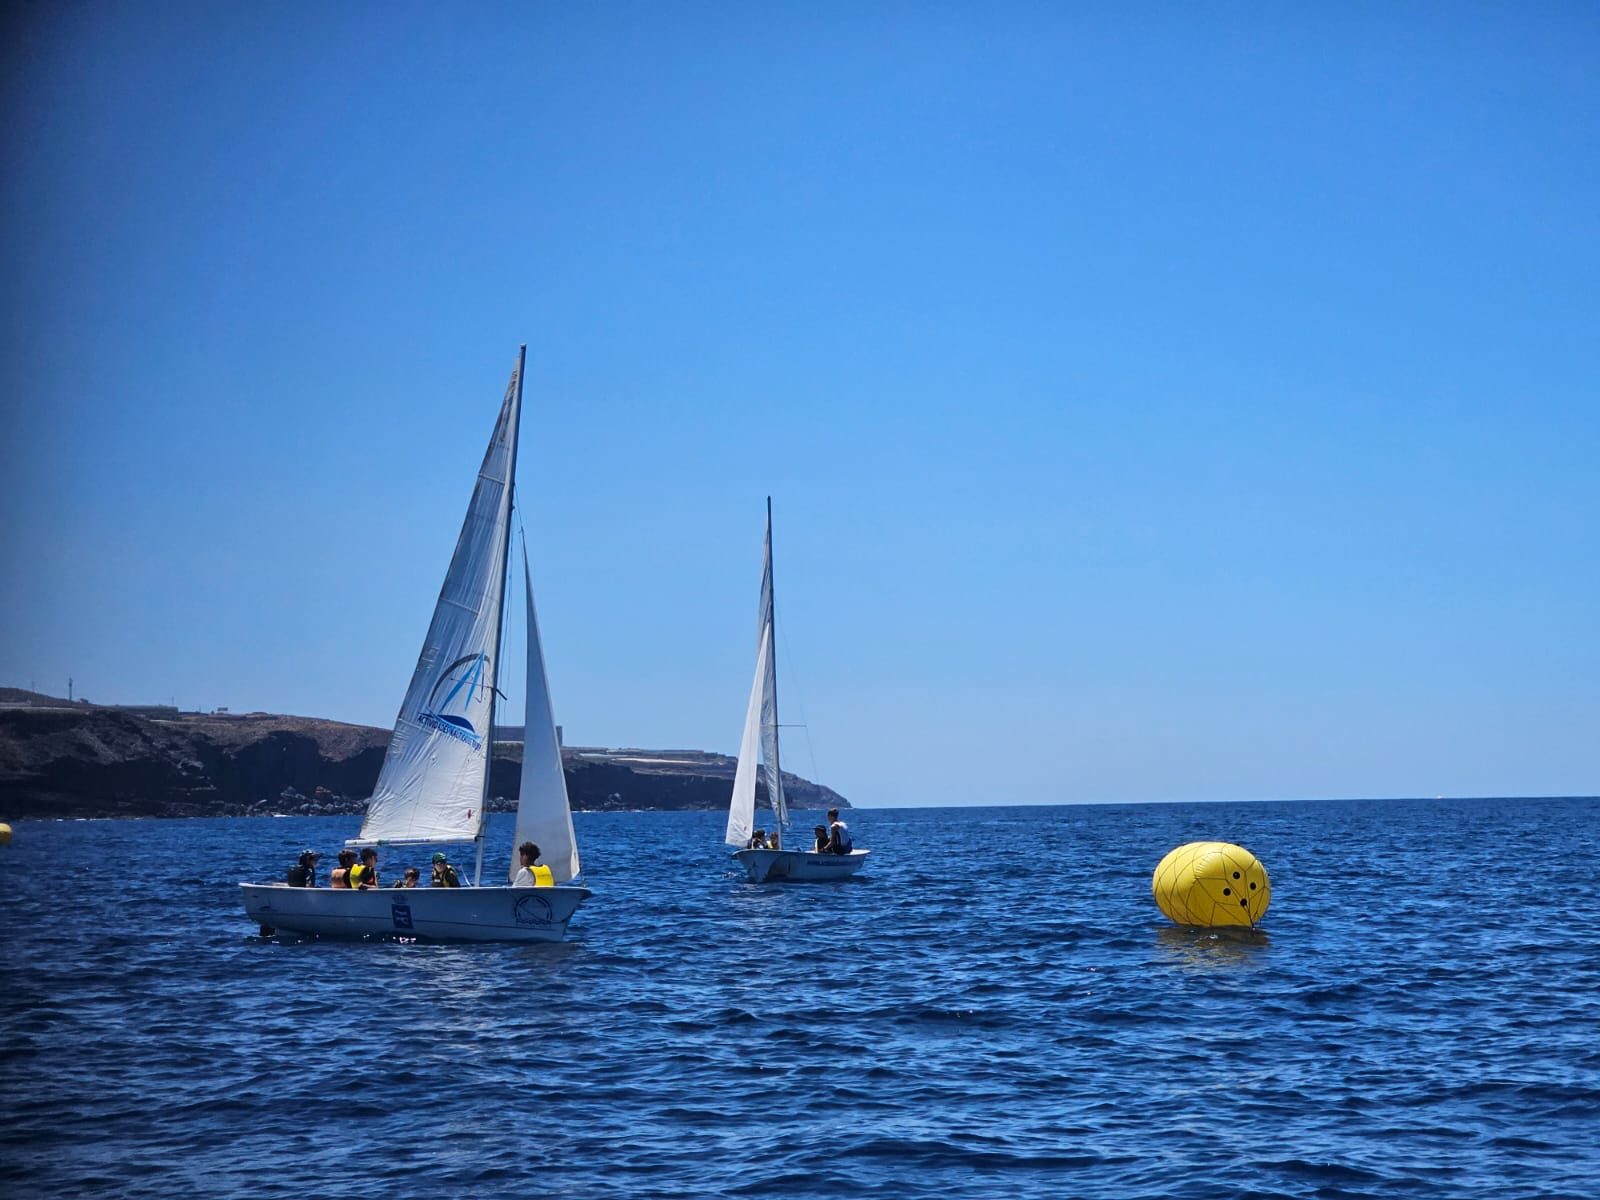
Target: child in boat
x,y
444,875
530,875
838,834
364,874
821,832
339,877
304,872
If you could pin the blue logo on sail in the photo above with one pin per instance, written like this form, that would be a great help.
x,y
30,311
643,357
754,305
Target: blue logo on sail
x,y
465,680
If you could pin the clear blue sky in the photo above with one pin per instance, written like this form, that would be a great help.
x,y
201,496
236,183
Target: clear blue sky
x,y
1159,403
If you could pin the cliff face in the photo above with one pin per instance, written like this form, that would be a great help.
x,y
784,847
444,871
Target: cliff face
x,y
600,779
77,760
100,762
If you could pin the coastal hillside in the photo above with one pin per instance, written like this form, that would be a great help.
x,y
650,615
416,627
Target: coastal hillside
x,y
70,759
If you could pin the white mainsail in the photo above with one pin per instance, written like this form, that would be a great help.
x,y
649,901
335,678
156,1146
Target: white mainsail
x,y
543,814
434,782
758,747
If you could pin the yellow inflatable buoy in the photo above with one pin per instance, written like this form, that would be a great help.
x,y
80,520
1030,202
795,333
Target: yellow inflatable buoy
x,y
1212,883
5,834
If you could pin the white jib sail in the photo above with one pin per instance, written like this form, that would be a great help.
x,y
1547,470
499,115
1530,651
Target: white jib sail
x,y
742,811
766,631
544,816
432,785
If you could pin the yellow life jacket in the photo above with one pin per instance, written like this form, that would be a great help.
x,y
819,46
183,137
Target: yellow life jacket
x,y
543,876
359,874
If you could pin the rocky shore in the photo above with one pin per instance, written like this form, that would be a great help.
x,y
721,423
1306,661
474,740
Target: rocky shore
x,y
72,760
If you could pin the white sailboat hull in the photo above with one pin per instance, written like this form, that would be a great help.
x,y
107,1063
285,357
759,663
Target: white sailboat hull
x,y
470,914
799,866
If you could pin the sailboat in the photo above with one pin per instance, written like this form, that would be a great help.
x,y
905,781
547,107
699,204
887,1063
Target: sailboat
x,y
758,752
433,789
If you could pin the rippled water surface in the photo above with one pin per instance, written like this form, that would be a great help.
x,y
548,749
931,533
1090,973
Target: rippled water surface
x,y
994,1008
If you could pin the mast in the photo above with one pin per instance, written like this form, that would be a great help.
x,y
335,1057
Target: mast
x,y
772,616
500,625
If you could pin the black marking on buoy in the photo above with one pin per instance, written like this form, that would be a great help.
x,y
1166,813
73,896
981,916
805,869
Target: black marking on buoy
x,y
1243,903
1236,874
1252,887
1227,891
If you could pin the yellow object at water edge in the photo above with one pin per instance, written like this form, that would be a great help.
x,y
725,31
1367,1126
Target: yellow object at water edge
x,y
1210,884
5,834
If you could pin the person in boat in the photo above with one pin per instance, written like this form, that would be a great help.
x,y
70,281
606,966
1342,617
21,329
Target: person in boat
x,y
364,874
409,879
339,877
531,875
772,841
838,834
304,872
758,840
444,875
821,832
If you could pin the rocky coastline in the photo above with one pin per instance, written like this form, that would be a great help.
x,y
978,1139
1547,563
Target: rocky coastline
x,y
71,760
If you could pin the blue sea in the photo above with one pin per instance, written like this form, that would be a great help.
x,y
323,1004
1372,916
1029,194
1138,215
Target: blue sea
x,y
994,1008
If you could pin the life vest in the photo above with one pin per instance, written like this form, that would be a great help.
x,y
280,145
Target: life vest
x,y
543,876
444,875
845,844
362,874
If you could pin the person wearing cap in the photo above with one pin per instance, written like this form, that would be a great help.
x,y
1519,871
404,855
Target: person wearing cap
x,y
530,875
304,872
364,874
444,875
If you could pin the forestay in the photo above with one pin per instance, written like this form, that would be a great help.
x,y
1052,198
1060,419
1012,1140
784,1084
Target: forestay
x,y
433,784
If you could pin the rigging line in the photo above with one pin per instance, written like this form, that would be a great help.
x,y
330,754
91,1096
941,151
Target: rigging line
x,y
797,697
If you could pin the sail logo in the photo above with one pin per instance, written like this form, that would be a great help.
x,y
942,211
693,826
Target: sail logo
x,y
532,910
465,680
